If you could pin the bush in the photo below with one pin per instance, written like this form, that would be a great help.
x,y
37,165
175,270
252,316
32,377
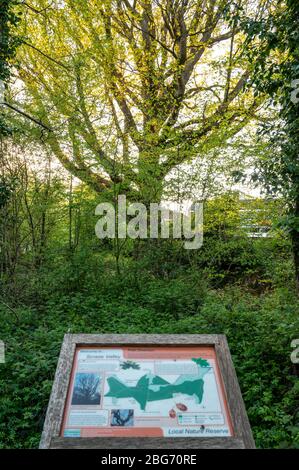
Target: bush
x,y
259,332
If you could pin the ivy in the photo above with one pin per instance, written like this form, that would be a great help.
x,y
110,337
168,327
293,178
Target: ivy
x,y
8,44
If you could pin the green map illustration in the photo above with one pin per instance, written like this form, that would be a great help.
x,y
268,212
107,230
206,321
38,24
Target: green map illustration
x,y
154,388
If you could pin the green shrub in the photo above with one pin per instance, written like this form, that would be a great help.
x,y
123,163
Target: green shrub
x,y
259,331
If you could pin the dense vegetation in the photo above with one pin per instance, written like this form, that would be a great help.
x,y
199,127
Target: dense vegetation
x,y
235,285
114,100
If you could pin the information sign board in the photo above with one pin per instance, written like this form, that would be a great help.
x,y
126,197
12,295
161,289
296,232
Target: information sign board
x,y
159,389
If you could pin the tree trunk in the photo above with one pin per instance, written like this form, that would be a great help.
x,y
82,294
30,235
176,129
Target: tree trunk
x,y
295,243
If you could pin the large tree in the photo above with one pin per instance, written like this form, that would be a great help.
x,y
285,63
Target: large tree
x,y
126,90
273,47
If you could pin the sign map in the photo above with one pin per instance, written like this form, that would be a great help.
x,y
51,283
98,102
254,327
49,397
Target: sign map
x,y
164,391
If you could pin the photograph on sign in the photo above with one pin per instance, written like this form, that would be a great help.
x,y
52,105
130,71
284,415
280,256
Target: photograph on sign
x,y
161,391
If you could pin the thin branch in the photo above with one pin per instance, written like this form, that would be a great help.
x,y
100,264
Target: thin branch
x,y
30,7
46,55
33,119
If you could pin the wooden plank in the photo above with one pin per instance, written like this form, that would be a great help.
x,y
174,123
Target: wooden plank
x,y
59,392
146,443
122,340
233,394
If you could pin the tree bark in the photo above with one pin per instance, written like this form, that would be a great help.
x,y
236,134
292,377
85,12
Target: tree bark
x,y
295,244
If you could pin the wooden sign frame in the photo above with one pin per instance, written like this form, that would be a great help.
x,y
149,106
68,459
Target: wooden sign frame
x,y
242,435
